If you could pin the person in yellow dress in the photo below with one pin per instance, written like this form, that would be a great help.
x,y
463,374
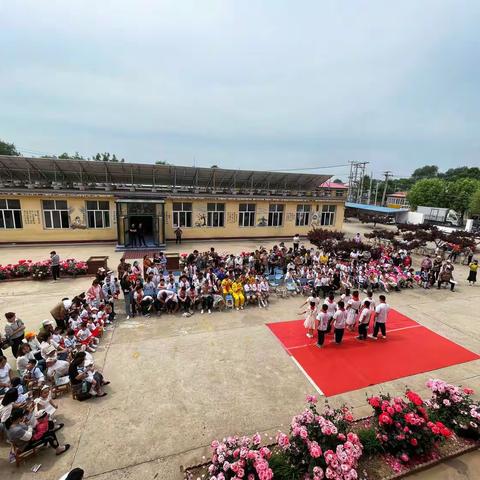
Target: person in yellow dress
x,y
226,286
237,292
472,274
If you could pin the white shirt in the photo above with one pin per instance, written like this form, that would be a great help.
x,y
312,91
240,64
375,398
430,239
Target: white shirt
x,y
340,319
382,312
323,318
316,300
372,303
4,374
364,316
332,307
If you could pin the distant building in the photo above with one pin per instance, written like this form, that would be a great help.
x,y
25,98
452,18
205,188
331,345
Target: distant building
x,y
397,200
50,200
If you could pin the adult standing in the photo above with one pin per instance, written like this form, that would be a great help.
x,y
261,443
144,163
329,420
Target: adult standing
x,y
6,375
178,235
296,242
14,331
55,259
132,235
141,235
446,276
472,274
437,266
381,317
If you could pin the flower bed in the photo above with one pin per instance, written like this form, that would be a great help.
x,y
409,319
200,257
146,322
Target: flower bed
x,y
402,436
26,269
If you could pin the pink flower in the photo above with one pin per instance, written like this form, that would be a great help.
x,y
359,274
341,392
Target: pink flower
x,y
315,450
404,457
256,439
311,399
283,440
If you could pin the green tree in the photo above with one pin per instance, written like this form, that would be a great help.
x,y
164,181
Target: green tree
x,y
8,149
161,162
453,174
475,203
427,171
431,192
106,157
460,192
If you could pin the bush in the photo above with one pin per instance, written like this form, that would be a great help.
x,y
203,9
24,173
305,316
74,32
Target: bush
x,y
371,444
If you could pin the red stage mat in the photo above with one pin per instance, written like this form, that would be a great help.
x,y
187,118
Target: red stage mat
x,y
409,349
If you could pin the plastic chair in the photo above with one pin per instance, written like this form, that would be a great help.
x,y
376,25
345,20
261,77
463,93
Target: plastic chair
x,y
229,303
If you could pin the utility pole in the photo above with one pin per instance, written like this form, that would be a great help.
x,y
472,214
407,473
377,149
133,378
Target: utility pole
x,y
376,192
387,176
370,188
356,180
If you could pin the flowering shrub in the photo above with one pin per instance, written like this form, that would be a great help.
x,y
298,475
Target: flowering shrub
x,y
41,270
404,428
454,406
321,446
240,458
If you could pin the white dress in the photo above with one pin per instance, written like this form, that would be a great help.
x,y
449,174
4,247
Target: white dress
x,y
352,311
310,317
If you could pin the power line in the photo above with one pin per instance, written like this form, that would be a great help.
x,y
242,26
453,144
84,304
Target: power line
x,y
307,168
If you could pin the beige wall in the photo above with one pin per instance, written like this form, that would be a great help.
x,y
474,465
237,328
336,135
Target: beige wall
x,y
34,231
232,228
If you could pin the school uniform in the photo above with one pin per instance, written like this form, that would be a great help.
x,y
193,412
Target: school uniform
x,y
339,322
381,312
323,319
363,321
332,308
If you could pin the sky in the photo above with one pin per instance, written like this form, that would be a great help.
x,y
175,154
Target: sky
x,y
264,84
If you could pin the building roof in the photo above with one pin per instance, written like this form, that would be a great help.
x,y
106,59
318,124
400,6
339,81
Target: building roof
x,y
375,208
337,185
398,194
48,171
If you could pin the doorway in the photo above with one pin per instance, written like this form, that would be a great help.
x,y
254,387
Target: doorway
x,y
146,223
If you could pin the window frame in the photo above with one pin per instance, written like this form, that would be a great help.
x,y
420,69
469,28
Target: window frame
x,y
63,214
275,215
328,215
249,214
104,214
215,217
182,216
303,214
16,214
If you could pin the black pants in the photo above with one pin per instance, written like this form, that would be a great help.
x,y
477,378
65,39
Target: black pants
x,y
379,326
452,285
329,325
362,330
321,337
295,247
207,302
141,240
16,342
133,240
178,239
185,305
56,271
339,335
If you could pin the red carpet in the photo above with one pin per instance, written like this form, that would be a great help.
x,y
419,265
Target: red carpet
x,y
409,349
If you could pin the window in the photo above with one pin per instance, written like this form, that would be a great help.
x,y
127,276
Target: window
x,y
55,214
246,215
215,214
182,214
339,193
302,218
328,215
98,214
275,215
10,214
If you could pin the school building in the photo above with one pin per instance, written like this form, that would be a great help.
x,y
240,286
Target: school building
x,y
50,200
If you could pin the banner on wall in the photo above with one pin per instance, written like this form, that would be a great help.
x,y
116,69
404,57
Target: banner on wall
x,y
262,216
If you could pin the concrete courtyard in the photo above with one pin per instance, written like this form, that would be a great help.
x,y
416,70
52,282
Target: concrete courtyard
x,y
178,383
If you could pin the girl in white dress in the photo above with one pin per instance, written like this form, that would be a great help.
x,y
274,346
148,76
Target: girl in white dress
x,y
310,317
353,306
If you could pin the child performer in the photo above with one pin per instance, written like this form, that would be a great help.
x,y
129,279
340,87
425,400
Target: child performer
x,y
353,306
339,322
364,320
323,318
332,308
310,316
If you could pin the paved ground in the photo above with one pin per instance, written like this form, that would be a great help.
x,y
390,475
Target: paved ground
x,y
178,383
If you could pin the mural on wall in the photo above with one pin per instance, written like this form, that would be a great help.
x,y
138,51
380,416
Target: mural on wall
x,y
200,215
232,217
262,215
79,221
31,217
315,219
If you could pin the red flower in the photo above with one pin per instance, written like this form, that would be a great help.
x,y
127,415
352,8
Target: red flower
x,y
414,442
374,402
414,398
445,432
384,418
468,391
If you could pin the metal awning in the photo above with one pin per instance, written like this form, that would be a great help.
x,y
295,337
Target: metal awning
x,y
375,208
31,170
